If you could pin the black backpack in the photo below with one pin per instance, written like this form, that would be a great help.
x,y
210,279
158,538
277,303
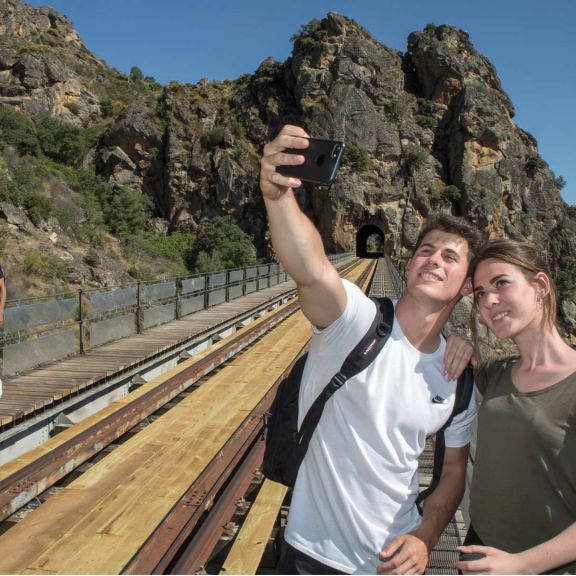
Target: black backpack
x,y
286,446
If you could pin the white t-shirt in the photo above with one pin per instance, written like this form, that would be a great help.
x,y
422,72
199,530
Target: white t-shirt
x,y
357,486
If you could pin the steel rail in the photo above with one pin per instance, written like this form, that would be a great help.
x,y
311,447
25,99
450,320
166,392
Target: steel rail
x,y
199,551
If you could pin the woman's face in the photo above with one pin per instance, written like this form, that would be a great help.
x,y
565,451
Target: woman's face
x,y
507,301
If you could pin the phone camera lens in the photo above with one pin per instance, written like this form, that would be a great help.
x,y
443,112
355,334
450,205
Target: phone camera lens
x,y
335,150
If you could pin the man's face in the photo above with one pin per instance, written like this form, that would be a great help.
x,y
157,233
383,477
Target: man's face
x,y
439,267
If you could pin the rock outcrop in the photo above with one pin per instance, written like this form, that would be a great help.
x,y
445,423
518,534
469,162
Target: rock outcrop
x,y
429,129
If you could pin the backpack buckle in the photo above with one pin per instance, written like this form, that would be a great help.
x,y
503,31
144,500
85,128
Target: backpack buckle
x,y
383,329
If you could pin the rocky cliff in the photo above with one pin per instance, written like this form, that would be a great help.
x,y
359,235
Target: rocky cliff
x,y
429,129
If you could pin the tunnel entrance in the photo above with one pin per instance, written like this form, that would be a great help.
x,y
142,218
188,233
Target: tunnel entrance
x,y
370,242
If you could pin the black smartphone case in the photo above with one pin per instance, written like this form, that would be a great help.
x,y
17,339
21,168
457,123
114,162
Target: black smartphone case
x,y
323,159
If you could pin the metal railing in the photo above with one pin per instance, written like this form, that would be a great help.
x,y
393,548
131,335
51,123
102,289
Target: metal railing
x,y
47,328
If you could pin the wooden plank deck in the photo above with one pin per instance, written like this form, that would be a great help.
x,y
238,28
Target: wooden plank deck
x,y
248,548
48,385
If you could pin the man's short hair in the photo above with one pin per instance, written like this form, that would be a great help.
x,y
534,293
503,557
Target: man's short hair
x,y
457,226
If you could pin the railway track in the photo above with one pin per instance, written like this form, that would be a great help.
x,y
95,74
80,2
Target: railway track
x,y
187,531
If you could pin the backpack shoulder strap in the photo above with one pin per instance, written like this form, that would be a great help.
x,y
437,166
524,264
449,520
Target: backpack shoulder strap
x,y
359,359
373,341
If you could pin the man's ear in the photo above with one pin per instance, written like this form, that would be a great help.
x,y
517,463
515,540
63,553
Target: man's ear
x,y
408,265
467,287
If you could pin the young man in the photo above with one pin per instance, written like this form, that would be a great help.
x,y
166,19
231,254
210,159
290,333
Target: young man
x,y
353,507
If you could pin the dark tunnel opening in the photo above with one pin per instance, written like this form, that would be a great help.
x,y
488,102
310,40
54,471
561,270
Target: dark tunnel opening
x,y
370,242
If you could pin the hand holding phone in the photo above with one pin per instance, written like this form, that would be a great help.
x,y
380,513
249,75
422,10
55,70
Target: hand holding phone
x,y
322,160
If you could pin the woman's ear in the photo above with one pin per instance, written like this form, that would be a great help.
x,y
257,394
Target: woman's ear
x,y
542,283
467,287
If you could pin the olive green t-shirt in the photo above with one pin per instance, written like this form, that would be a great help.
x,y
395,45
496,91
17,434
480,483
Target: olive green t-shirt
x,y
524,486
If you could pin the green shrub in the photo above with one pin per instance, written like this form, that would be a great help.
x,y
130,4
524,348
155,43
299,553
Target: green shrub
x,y
426,111
19,187
7,188
427,121
560,183
356,158
107,108
45,266
19,131
92,258
175,246
414,157
223,242
37,207
397,107
214,137
127,212
426,106
452,193
4,234
310,35
141,273
238,129
94,197
207,263
61,141
136,74
153,153
534,165
122,211
444,194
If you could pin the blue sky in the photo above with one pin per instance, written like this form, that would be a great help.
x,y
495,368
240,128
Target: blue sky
x,y
532,43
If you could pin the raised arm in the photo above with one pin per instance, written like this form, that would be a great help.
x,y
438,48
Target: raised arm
x,y
295,239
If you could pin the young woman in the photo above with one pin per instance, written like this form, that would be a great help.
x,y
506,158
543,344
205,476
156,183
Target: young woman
x,y
523,495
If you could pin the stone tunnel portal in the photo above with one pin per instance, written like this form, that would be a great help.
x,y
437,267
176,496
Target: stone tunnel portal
x,y
370,242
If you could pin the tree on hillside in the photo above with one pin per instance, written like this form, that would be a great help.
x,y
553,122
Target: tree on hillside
x,y
19,131
136,74
61,141
220,244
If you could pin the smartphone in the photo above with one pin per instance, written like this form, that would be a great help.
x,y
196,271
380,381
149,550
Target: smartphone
x,y
322,160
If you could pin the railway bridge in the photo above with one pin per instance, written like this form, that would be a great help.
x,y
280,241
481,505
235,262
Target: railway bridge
x,y
131,424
